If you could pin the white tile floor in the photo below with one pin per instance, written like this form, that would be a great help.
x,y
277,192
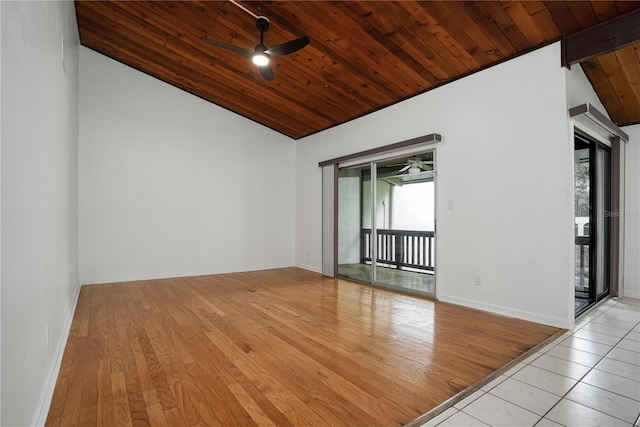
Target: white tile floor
x,y
588,377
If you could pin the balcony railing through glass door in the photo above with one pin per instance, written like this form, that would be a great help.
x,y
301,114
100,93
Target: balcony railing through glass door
x,y
401,249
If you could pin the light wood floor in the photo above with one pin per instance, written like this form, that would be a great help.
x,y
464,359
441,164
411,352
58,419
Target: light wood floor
x,y
278,347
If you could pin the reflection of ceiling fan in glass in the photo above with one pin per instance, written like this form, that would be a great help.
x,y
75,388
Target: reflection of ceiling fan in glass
x,y
416,165
412,171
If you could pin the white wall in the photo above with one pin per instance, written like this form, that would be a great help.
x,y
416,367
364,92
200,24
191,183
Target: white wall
x,y
632,214
505,163
39,200
580,91
0,215
171,185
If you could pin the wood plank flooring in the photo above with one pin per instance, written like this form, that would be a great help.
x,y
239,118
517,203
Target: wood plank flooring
x,y
283,347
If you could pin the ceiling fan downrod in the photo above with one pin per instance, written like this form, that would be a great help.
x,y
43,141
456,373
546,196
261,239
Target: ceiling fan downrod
x,y
245,9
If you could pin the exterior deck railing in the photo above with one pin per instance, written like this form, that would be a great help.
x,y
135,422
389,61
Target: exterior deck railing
x,y
582,262
400,248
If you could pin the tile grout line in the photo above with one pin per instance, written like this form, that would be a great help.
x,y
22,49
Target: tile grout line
x,y
564,396
589,371
578,381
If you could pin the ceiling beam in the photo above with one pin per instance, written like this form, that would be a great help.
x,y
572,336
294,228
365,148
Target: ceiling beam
x,y
603,38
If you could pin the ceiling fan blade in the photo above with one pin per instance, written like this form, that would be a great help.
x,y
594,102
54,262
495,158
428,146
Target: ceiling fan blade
x,y
266,72
288,47
405,168
241,50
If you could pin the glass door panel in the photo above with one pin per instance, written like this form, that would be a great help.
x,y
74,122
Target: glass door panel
x,y
352,196
386,223
582,224
592,222
405,223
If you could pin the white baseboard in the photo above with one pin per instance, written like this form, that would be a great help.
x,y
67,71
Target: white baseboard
x,y
42,410
169,275
506,311
309,268
632,294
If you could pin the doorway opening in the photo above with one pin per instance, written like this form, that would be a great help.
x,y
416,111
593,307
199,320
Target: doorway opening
x,y
386,223
592,221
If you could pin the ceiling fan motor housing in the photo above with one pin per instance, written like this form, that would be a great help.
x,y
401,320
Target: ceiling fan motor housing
x,y
262,24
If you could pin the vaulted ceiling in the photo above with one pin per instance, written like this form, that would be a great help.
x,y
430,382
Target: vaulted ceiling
x,y
363,55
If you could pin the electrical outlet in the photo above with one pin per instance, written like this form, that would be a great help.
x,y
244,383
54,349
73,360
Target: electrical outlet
x,y
478,281
308,254
46,330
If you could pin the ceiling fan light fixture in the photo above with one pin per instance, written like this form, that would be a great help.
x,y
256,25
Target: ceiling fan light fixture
x,y
260,59
414,170
261,56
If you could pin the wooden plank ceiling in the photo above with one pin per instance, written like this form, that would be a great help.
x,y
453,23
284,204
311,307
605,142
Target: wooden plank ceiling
x,y
363,55
616,78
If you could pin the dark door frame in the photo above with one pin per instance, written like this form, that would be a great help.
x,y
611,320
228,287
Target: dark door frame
x,y
611,202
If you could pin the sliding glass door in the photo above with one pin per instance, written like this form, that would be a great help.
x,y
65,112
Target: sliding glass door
x,y
592,222
386,225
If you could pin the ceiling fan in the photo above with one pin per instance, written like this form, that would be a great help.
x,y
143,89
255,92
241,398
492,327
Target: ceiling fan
x,y
416,165
260,55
